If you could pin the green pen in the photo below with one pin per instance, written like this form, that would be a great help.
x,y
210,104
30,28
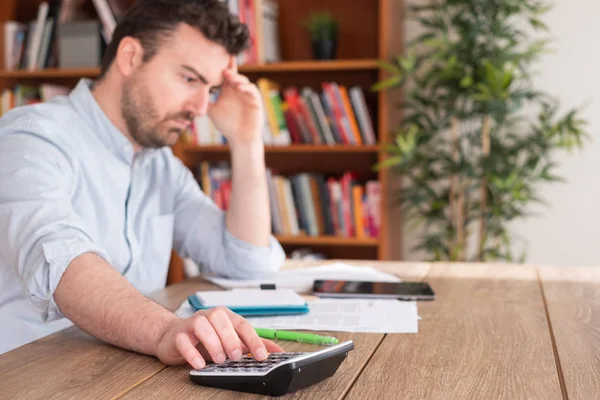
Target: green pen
x,y
295,336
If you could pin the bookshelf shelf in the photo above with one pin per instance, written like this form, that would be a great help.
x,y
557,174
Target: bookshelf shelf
x,y
326,241
285,66
50,73
311,65
292,149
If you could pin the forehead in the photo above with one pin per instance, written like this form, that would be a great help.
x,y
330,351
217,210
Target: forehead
x,y
188,46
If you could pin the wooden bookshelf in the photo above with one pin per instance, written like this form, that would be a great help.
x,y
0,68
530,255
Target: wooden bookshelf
x,y
297,66
292,149
364,39
50,73
326,241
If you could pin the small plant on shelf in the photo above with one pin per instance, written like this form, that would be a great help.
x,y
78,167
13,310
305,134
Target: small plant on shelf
x,y
324,33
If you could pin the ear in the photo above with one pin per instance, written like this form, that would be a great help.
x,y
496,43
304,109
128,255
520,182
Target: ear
x,y
130,55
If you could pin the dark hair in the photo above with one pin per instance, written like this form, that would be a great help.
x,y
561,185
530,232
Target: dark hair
x,y
149,21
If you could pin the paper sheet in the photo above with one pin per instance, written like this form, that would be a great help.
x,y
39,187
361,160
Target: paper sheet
x,y
301,279
346,315
343,315
250,298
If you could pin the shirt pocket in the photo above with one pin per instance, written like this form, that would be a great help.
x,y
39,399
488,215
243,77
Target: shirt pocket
x,y
156,252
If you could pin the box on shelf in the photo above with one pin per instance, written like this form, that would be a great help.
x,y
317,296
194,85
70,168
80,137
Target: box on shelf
x,y
80,44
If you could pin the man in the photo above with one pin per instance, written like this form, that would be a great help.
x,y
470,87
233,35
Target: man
x,y
92,200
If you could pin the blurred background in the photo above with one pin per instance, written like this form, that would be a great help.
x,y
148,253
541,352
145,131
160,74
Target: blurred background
x,y
413,130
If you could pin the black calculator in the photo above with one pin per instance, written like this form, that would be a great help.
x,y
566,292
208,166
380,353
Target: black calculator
x,y
281,373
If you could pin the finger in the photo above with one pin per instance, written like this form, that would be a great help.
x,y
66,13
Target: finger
x,y
237,79
209,338
272,347
249,336
233,64
251,92
188,351
232,69
230,341
248,88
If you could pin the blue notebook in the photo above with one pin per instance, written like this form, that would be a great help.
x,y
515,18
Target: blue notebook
x,y
251,302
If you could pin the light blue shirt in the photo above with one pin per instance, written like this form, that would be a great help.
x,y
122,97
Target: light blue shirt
x,y
70,183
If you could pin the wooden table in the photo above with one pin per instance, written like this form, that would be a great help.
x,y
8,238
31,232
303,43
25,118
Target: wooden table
x,y
494,332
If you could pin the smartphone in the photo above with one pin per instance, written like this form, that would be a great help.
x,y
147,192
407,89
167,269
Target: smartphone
x,y
373,290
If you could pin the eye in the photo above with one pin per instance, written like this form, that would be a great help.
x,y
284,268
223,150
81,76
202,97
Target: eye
x,y
189,79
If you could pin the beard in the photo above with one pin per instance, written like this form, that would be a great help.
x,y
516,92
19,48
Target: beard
x,y
143,119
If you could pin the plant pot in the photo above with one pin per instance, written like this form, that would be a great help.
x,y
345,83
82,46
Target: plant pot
x,y
324,49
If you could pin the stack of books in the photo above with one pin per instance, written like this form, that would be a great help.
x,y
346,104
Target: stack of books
x,y
22,95
307,204
261,17
34,45
336,115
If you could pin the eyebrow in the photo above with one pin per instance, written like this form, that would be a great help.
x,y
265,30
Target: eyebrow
x,y
198,75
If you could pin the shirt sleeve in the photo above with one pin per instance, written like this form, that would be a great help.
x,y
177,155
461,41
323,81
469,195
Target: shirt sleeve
x,y
201,234
41,232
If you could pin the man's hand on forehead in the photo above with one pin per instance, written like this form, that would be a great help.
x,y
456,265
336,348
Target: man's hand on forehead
x,y
238,111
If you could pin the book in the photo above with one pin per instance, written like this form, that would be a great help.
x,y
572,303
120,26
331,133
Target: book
x,y
251,302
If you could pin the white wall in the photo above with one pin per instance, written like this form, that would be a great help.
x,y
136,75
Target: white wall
x,y
568,231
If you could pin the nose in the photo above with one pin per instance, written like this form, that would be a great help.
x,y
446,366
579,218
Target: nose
x,y
198,104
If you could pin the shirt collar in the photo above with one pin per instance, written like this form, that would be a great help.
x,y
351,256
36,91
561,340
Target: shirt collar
x,y
84,102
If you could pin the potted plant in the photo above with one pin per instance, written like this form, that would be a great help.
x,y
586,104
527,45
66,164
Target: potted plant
x,y
324,30
476,138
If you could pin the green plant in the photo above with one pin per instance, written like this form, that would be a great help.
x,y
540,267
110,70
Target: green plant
x,y
470,154
322,26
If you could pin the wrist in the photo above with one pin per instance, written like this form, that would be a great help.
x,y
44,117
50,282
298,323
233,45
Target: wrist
x,y
247,138
162,326
248,162
248,150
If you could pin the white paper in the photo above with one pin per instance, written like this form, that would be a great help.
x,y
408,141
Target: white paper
x,y
349,315
301,279
250,298
342,315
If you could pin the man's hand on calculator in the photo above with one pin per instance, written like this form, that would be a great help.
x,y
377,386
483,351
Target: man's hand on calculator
x,y
211,335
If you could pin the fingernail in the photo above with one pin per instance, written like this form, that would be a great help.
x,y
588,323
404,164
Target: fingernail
x,y
198,363
220,358
236,354
261,354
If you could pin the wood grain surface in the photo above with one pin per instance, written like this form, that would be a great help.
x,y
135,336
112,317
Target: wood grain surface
x,y
484,337
493,332
173,382
71,364
573,301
